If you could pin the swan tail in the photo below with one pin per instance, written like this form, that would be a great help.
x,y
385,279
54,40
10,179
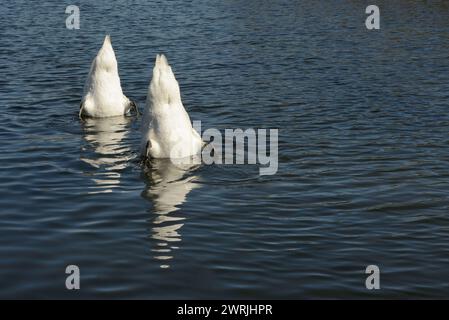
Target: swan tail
x,y
107,45
164,89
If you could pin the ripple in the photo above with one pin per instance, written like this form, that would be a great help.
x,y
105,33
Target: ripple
x,y
363,153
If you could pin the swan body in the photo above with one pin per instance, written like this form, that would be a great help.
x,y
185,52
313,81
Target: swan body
x,y
167,130
103,95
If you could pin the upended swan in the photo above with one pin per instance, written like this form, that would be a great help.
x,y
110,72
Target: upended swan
x,y
103,95
167,130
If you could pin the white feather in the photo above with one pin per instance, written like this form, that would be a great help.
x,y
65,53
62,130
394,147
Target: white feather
x,y
167,130
103,95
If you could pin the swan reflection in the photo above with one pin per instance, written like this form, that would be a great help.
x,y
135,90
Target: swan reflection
x,y
105,137
167,188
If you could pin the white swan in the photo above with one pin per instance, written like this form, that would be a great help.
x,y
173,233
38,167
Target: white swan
x,y
167,130
103,95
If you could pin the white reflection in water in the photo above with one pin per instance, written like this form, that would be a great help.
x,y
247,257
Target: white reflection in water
x,y
167,188
110,152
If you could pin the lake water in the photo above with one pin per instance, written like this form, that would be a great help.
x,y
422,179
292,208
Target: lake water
x,y
363,119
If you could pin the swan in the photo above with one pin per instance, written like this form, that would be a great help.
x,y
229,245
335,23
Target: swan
x,y
103,95
167,130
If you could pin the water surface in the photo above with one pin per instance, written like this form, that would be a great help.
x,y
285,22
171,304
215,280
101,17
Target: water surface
x,y
363,175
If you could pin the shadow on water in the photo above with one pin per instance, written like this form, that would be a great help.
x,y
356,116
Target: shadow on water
x,y
167,187
107,151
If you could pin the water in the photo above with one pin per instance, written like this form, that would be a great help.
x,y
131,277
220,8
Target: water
x,y
363,175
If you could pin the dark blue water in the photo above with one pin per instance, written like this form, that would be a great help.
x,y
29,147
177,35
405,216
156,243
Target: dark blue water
x,y
363,119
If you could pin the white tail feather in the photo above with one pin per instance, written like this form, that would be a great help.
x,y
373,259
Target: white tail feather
x,y
164,88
